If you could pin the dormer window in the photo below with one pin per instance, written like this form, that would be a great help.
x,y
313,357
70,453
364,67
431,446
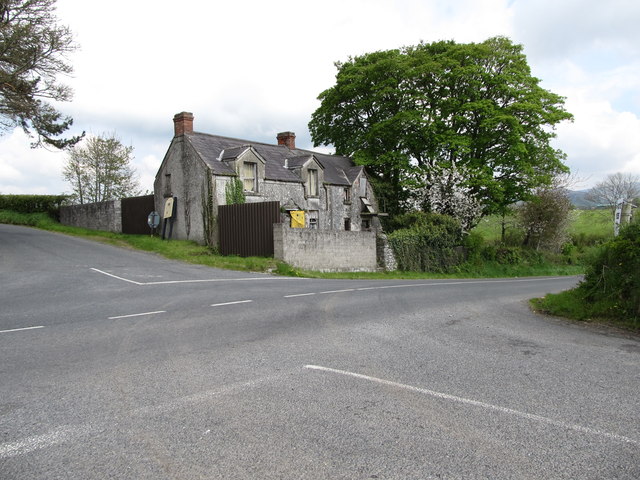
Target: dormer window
x,y
347,195
250,176
312,188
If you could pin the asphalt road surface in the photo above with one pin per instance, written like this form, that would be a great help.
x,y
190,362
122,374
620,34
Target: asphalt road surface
x,y
120,364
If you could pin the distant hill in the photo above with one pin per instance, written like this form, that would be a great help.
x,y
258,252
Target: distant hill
x,y
578,199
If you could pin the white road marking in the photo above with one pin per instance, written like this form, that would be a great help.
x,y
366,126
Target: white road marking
x,y
115,276
337,291
21,329
54,437
231,303
475,403
168,282
70,433
206,280
413,285
137,314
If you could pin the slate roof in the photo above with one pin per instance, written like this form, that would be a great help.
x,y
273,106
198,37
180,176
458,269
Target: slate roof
x,y
216,151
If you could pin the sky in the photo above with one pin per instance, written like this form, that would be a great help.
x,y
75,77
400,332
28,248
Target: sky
x,y
252,68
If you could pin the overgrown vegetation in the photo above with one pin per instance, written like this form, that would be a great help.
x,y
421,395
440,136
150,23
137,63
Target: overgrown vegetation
x,y
49,204
234,192
611,286
427,242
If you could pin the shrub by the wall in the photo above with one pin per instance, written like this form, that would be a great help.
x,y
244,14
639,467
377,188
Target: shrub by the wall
x,y
428,243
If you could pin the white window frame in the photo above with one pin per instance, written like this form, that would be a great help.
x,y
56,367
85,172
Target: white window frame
x,y
253,178
312,183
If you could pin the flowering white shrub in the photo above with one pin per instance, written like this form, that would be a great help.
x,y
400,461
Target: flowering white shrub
x,y
446,192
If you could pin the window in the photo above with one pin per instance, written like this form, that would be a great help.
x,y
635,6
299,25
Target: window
x,y
313,219
347,224
366,224
347,195
363,187
250,177
313,183
167,184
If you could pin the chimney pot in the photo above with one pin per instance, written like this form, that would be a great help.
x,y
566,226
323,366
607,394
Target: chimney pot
x,y
288,139
183,123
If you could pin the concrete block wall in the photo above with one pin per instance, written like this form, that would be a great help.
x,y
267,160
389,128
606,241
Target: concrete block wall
x,y
325,250
106,216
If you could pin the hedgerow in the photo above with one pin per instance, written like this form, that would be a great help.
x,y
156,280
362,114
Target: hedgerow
x,y
49,204
612,279
430,243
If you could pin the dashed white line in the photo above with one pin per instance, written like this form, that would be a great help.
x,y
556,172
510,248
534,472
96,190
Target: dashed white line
x,y
475,403
231,303
137,314
21,329
299,295
338,291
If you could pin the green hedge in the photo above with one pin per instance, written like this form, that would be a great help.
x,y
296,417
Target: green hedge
x,y
612,281
49,204
430,243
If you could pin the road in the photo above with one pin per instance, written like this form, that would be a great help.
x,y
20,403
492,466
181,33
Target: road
x,y
122,364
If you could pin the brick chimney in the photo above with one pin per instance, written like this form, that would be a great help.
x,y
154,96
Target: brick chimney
x,y
183,123
288,139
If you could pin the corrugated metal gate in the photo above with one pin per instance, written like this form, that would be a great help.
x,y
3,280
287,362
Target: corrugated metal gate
x,y
135,211
247,229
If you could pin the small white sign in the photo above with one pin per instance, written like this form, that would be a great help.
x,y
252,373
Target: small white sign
x,y
168,208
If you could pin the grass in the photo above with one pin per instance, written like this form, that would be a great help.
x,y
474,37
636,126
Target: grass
x,y
572,305
485,270
191,252
182,250
588,226
592,222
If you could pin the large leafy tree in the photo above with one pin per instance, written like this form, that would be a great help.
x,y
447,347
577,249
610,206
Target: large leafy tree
x,y
32,57
99,169
410,113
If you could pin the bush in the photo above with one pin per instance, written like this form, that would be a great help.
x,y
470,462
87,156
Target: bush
x,y
428,243
49,204
584,239
612,279
474,244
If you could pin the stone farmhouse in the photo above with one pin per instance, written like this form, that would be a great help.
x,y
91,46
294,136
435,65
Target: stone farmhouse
x,y
198,168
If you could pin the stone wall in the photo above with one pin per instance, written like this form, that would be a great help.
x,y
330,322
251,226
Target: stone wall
x,y
106,216
325,250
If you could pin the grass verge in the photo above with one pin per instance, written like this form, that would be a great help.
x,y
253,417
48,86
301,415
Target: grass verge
x,y
572,305
197,254
182,250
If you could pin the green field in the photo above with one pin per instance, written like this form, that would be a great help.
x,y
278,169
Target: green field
x,y
589,225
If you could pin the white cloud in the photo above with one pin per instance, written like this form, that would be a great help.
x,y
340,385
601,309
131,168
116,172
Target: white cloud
x,y
601,140
251,68
26,170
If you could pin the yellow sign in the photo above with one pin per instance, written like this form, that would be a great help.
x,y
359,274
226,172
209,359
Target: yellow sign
x,y
168,208
297,218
